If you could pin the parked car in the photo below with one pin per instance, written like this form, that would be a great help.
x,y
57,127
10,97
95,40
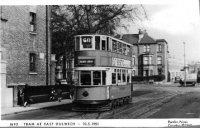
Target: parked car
x,y
191,80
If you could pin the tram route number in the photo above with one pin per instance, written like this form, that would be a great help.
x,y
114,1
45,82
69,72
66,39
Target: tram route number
x,y
90,123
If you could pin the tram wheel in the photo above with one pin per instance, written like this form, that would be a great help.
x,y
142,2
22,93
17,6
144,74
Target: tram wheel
x,y
121,102
127,100
124,101
114,104
111,105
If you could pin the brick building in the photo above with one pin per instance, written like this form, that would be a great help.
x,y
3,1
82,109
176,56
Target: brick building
x,y
150,55
25,45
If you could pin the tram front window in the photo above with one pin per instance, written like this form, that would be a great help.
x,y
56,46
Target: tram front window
x,y
97,78
103,77
85,78
97,42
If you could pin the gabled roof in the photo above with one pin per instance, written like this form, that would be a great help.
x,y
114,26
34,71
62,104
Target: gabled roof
x,y
147,39
134,39
161,40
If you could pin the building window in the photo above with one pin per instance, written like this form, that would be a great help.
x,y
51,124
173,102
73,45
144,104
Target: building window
x,y
32,62
159,48
146,73
160,71
159,60
146,48
150,72
32,21
133,61
147,60
133,72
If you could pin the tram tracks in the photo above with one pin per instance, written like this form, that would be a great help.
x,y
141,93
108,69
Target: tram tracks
x,y
150,104
140,110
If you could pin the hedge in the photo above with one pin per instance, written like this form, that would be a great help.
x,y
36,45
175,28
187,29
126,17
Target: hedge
x,y
147,78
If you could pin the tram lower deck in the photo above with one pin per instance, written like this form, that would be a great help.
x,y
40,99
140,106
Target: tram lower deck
x,y
93,94
103,68
101,98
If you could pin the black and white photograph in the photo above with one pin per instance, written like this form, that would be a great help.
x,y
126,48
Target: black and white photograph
x,y
100,64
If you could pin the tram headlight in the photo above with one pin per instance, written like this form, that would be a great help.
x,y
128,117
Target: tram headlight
x,y
85,94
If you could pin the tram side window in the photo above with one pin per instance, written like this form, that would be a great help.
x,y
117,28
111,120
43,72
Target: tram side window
x,y
123,75
128,77
103,77
85,78
114,77
97,42
114,46
119,75
107,43
97,78
103,45
128,50
119,47
77,43
124,49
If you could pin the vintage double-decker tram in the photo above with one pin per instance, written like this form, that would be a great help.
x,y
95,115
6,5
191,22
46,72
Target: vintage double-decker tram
x,y
103,67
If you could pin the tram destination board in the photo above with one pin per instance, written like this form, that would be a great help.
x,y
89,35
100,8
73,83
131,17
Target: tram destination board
x,y
86,62
87,41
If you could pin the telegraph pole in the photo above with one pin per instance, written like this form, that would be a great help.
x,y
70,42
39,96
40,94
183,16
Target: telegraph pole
x,y
184,66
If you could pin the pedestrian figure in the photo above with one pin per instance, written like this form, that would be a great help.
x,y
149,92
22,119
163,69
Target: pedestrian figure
x,y
59,94
52,94
20,97
181,82
26,95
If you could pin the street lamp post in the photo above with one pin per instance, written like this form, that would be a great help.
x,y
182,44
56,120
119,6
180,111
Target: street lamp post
x,y
184,66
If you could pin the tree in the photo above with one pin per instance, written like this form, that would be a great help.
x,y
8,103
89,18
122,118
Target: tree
x,y
70,20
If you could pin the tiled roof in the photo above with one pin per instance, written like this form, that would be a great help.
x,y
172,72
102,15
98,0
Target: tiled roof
x,y
134,39
147,39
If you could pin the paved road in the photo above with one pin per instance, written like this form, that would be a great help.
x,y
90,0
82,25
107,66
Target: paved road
x,y
149,101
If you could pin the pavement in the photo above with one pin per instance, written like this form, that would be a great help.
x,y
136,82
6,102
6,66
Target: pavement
x,y
18,109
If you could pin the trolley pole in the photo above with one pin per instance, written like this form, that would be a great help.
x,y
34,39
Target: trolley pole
x,y
184,66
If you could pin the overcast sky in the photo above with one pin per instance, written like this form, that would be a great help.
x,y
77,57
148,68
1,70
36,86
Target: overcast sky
x,y
176,22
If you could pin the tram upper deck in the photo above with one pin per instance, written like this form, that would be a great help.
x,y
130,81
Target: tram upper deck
x,y
101,50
